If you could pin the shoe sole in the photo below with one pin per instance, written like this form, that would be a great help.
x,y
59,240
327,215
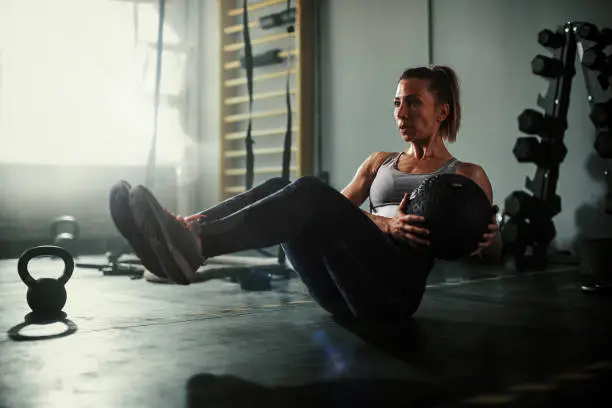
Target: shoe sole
x,y
150,223
121,215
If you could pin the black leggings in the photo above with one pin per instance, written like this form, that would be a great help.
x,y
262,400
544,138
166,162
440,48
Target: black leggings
x,y
347,263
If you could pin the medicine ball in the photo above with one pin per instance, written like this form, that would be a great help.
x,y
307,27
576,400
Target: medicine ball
x,y
457,213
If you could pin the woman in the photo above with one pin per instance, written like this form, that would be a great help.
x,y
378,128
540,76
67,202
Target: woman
x,y
353,262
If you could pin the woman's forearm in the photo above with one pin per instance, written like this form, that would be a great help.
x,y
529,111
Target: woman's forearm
x,y
381,222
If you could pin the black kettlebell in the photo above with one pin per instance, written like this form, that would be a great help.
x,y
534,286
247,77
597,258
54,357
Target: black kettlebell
x,y
46,296
65,231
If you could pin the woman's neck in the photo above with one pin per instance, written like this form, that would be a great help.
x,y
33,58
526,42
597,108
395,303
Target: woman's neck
x,y
430,149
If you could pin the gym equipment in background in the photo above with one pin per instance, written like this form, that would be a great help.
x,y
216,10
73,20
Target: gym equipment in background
x,y
257,277
287,18
46,296
527,227
596,258
65,232
457,213
608,203
115,265
596,255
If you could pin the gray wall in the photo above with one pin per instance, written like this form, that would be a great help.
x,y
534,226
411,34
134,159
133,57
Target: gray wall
x,y
365,45
490,44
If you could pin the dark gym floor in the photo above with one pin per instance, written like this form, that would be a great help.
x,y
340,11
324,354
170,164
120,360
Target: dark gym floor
x,y
482,336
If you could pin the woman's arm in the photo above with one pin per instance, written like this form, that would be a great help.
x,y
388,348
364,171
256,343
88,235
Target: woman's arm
x,y
358,190
478,175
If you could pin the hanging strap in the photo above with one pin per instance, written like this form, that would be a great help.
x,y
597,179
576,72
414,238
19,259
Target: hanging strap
x,y
150,177
286,174
248,62
287,144
248,65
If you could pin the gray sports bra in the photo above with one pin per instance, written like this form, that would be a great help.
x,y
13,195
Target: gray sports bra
x,y
390,184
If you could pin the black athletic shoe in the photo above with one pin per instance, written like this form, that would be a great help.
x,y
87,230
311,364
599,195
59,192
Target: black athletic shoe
x,y
122,217
172,237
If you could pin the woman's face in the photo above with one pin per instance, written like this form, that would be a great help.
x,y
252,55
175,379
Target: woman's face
x,y
416,114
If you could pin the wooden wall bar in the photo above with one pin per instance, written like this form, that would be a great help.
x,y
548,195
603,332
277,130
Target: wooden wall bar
x,y
269,116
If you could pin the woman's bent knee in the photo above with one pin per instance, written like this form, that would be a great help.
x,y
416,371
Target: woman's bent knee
x,y
277,182
310,181
314,187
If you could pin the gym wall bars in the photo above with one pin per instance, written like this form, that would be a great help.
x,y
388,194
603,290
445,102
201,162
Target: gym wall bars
x,y
266,92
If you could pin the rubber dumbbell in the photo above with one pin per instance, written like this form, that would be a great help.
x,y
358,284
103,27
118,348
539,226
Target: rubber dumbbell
x,y
550,39
603,144
65,231
601,114
546,67
544,153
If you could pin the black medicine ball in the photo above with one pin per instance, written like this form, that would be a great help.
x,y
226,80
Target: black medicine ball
x,y
457,213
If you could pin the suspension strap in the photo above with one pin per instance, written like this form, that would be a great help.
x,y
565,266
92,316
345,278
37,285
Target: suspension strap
x,y
248,61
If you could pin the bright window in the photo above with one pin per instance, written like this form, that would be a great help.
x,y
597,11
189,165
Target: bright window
x,y
77,83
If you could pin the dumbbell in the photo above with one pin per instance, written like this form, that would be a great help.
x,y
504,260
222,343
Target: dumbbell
x,y
596,60
608,200
590,32
532,122
522,231
603,144
546,67
601,114
255,279
550,39
65,231
523,205
544,153
250,278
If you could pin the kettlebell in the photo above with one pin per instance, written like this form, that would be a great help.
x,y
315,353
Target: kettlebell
x,y
46,296
65,231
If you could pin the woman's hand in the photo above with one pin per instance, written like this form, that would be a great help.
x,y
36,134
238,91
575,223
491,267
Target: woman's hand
x,y
402,226
488,237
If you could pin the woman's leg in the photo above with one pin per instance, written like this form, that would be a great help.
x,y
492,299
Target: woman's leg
x,y
343,258
304,254
233,204
368,270
307,260
305,204
373,281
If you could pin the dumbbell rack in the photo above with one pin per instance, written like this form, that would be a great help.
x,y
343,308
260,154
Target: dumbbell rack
x,y
527,228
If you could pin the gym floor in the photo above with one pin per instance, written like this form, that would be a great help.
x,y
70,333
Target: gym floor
x,y
483,336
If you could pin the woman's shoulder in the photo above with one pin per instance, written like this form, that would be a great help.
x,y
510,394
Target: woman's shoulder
x,y
476,173
468,169
382,157
375,160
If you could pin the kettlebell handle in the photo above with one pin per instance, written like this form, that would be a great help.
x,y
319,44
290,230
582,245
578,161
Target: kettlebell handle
x,y
27,256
